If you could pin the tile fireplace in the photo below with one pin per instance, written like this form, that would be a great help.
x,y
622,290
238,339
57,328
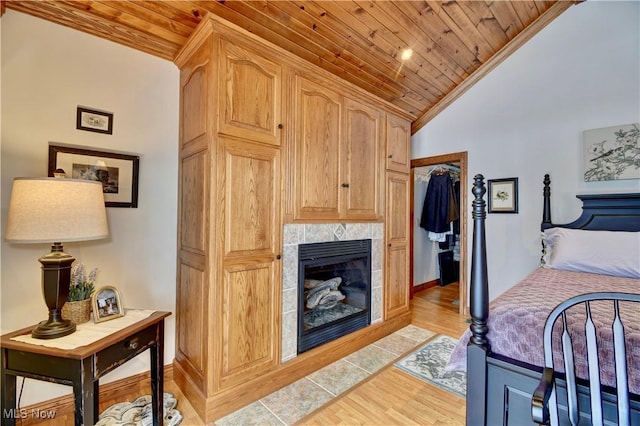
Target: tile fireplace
x,y
300,234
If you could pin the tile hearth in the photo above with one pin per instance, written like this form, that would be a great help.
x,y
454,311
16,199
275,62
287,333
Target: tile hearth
x,y
291,403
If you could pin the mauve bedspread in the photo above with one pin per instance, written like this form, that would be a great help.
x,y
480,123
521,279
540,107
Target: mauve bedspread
x,y
517,317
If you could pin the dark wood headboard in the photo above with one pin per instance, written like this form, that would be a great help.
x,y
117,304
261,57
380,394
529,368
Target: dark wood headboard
x,y
600,212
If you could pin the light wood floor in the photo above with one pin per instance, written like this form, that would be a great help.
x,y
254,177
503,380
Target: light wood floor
x,y
393,397
390,397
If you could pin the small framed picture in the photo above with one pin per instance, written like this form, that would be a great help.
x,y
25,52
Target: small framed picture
x,y
93,120
106,304
503,195
117,172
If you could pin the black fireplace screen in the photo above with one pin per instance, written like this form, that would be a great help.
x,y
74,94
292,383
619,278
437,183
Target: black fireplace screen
x,y
334,290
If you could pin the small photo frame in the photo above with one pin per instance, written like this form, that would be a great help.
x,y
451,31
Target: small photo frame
x,y
503,195
117,172
106,304
93,120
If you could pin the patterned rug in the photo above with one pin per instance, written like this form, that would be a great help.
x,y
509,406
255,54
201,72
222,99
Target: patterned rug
x,y
138,412
428,362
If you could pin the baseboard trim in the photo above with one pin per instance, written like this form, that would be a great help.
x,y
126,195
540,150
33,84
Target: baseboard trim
x,y
109,393
426,285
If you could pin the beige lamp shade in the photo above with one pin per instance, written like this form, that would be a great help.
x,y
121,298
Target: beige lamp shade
x,y
46,210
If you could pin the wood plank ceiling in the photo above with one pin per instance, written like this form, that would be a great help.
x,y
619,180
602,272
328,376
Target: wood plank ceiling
x,y
454,43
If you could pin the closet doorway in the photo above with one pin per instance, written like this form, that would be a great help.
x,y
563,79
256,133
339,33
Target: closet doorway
x,y
424,265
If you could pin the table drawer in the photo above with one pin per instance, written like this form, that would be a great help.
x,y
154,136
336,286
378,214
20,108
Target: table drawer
x,y
119,353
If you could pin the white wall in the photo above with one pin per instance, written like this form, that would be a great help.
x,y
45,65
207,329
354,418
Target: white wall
x,y
47,71
526,119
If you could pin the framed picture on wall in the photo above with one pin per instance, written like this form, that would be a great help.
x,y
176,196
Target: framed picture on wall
x,y
117,172
503,195
611,153
93,120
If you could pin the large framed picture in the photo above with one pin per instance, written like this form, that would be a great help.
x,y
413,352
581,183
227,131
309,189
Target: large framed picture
x,y
106,304
503,195
93,120
117,172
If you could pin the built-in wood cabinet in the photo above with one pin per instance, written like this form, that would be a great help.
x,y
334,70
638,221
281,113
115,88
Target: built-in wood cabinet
x,y
396,289
249,94
337,156
397,252
318,149
266,138
230,223
362,177
398,146
247,294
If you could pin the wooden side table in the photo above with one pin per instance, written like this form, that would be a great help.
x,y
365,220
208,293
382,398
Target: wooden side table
x,y
82,367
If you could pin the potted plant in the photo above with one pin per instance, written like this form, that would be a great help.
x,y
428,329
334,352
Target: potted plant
x,y
78,305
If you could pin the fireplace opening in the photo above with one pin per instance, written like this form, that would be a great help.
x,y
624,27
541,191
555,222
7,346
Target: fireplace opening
x,y
334,290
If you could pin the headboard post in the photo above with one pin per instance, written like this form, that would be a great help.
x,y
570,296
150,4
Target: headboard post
x,y
478,347
546,210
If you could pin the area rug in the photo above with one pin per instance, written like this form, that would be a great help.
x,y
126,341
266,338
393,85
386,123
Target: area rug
x,y
138,412
428,362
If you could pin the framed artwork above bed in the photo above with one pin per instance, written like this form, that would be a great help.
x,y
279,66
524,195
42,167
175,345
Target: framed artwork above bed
x,y
612,153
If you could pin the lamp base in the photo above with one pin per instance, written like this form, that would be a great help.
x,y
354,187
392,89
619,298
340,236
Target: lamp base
x,y
56,274
53,329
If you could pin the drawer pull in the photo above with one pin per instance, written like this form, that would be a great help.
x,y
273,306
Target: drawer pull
x,y
133,345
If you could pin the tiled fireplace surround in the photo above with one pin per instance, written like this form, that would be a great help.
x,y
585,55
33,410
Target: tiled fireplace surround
x,y
295,234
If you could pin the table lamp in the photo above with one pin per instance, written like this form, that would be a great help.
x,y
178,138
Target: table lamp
x,y
54,210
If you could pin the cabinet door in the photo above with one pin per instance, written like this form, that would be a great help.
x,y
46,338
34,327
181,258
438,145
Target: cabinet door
x,y
318,150
396,293
248,294
360,188
250,95
398,144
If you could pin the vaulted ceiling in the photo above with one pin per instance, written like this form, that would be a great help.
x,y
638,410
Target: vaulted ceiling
x,y
454,43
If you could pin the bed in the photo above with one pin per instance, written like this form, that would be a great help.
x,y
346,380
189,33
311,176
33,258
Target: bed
x,y
501,380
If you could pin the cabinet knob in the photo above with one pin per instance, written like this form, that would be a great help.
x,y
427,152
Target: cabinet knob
x,y
390,155
278,257
133,344
345,185
280,126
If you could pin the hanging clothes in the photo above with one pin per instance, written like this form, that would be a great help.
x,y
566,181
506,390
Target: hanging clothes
x,y
440,206
456,196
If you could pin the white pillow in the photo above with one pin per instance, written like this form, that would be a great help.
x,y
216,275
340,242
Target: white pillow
x,y
599,252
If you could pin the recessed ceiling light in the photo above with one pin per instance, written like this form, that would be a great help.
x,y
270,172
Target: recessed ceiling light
x,y
406,54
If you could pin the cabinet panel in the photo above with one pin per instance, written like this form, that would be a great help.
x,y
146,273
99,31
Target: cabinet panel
x,y
398,144
193,195
249,323
248,297
190,303
397,220
251,173
319,116
396,290
194,107
396,294
250,95
361,176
